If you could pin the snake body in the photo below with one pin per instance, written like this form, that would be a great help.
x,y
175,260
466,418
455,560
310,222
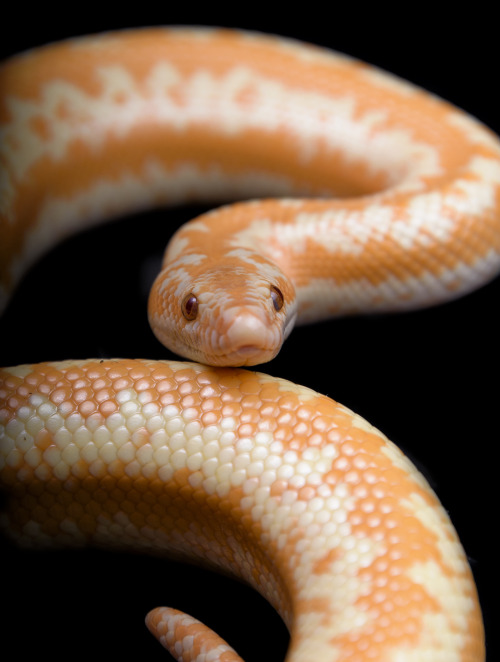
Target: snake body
x,y
250,474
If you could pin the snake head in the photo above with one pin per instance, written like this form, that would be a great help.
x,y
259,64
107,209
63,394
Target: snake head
x,y
232,312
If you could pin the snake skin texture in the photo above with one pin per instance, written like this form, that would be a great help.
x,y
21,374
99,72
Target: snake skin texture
x,y
248,474
251,475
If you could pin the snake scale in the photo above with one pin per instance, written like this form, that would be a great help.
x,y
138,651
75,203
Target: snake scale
x,y
249,474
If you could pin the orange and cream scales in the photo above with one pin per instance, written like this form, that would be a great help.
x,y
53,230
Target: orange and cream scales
x,y
253,475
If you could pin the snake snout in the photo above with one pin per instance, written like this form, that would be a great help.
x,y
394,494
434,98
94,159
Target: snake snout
x,y
250,339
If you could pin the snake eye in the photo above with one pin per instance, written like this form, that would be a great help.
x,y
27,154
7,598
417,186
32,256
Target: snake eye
x,y
277,298
190,307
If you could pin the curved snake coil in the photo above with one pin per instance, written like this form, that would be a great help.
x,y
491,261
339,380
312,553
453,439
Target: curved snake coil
x,y
281,486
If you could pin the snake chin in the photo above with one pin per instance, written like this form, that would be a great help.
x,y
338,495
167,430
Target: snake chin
x,y
245,356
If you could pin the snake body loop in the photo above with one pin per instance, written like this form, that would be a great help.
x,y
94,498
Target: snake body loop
x,y
388,199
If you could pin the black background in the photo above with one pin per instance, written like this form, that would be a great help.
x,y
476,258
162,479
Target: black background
x,y
428,379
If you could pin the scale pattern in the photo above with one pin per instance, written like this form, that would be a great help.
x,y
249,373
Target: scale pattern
x,y
121,122
273,482
279,485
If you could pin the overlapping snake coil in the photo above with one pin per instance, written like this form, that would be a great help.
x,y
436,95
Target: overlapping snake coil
x,y
270,481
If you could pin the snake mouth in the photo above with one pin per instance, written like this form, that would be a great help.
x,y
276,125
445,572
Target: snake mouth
x,y
249,339
244,356
250,355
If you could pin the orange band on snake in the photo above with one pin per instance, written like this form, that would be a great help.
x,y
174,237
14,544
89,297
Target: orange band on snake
x,y
270,481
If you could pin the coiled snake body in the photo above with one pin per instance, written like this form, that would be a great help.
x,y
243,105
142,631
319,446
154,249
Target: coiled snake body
x,y
254,475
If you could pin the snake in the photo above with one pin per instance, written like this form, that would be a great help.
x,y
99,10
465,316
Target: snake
x,y
355,192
